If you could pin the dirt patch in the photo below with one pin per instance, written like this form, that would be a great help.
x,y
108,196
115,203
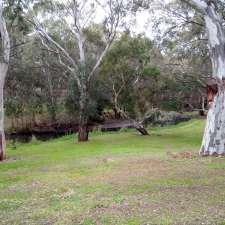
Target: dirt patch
x,y
122,172
183,155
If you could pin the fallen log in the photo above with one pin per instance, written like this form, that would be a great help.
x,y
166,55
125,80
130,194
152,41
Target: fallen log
x,y
139,127
118,124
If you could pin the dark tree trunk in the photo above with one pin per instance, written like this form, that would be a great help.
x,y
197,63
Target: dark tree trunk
x,y
83,119
52,112
117,113
83,131
2,146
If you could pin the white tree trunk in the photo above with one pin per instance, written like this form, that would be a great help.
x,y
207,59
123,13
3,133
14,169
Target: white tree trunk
x,y
5,53
3,72
214,137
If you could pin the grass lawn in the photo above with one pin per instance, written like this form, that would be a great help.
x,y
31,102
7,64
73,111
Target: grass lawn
x,y
115,179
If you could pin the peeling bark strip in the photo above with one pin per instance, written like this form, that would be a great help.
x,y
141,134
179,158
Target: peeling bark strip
x,y
213,86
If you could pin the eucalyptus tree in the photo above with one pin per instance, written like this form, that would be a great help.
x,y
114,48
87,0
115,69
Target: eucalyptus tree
x,y
81,58
4,64
189,20
11,18
214,136
126,65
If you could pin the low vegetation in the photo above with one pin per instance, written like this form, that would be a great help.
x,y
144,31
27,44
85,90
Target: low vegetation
x,y
117,178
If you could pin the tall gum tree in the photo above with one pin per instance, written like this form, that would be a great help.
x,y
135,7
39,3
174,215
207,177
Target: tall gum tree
x,y
4,64
78,16
213,142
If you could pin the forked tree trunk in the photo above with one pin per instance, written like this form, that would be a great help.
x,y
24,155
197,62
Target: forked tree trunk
x,y
214,137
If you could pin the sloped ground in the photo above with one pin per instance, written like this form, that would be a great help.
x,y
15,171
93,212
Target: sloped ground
x,y
115,179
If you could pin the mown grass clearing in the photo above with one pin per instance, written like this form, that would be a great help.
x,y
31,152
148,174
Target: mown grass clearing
x,y
116,178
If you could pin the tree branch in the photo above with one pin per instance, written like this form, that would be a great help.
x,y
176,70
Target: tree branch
x,y
5,38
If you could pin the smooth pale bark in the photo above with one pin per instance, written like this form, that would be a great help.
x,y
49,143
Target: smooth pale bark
x,y
83,133
3,72
214,136
5,47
